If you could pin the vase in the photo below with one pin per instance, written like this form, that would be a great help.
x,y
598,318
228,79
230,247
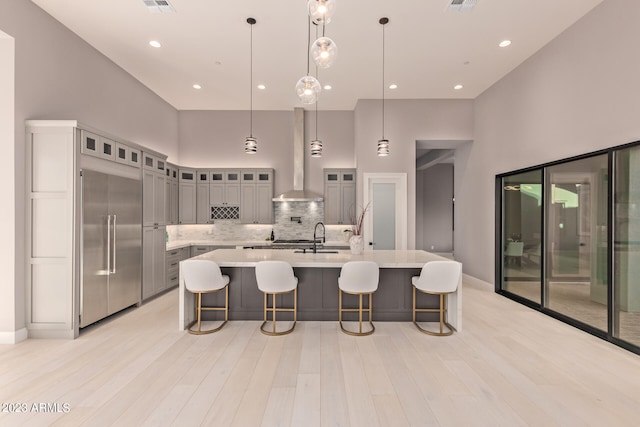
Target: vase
x,y
356,243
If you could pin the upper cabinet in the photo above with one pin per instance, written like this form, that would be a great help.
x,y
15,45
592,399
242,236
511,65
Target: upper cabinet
x,y
172,199
256,205
339,195
187,196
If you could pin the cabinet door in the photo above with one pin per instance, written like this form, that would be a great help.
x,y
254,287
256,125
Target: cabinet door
x,y
159,199
248,177
347,202
264,204
187,203
232,176
332,208
159,259
174,212
148,182
203,206
147,262
122,153
232,194
216,194
247,204
107,149
90,143
167,205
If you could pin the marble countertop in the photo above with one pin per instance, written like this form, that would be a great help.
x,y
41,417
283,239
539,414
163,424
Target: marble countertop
x,y
176,244
384,259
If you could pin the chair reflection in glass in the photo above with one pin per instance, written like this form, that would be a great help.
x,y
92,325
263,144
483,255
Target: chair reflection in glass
x,y
513,254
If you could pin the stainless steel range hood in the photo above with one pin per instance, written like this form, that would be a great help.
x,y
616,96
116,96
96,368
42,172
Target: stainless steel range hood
x,y
298,194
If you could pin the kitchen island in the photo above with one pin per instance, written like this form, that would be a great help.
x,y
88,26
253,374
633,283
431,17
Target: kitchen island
x,y
318,285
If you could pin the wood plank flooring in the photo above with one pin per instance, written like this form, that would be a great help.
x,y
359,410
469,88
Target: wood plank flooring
x,y
510,366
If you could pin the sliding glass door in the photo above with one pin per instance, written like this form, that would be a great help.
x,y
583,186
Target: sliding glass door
x,y
568,241
627,246
521,236
576,236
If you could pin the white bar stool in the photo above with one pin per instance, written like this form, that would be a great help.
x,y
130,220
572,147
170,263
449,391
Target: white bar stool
x,y
437,278
276,278
203,277
358,278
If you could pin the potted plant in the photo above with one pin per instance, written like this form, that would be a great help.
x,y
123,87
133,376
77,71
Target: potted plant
x,y
356,241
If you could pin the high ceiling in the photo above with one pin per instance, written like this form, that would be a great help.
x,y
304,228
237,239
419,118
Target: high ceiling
x,y
429,49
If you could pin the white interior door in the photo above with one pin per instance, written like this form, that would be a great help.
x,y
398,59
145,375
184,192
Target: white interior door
x,y
386,223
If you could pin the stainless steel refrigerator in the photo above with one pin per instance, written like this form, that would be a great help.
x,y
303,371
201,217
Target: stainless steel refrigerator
x,y
111,245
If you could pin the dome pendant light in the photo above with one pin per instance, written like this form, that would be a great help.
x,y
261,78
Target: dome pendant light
x,y
251,143
383,144
308,87
321,11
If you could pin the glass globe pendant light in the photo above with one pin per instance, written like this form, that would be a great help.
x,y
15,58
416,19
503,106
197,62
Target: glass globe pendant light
x,y
251,143
383,144
321,11
324,52
308,87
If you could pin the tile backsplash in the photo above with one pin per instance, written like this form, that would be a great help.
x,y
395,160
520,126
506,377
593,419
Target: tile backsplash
x,y
292,220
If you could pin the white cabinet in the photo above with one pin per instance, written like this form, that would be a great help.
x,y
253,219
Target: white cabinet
x,y
153,190
171,195
256,205
339,195
153,261
187,196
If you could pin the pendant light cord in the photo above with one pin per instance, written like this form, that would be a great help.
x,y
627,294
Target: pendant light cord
x,y
383,81
251,84
308,42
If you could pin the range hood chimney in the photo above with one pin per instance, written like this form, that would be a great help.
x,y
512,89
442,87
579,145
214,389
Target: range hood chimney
x,y
298,194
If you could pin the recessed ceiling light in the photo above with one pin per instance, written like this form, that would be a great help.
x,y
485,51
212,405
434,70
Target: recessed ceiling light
x,y
458,87
197,86
393,86
328,87
155,43
505,43
262,87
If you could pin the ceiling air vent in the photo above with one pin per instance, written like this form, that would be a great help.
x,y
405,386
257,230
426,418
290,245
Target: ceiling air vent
x,y
462,5
159,6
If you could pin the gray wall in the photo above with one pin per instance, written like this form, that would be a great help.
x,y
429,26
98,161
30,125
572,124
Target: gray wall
x,y
216,139
434,208
407,121
577,94
59,76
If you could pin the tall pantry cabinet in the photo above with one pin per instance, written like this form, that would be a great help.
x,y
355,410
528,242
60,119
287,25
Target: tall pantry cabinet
x,y
154,221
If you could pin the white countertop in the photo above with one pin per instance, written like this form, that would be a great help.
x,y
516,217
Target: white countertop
x,y
384,259
176,244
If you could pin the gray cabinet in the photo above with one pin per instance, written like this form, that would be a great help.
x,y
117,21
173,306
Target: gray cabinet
x,y
224,194
153,190
173,258
256,206
339,195
153,261
171,195
186,196
203,203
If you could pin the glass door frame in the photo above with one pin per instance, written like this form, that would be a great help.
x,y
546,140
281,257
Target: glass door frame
x,y
612,318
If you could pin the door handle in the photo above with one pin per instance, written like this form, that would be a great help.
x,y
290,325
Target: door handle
x,y
371,243
115,219
108,244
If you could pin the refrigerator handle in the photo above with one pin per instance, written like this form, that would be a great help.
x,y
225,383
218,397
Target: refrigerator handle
x,y
113,244
108,244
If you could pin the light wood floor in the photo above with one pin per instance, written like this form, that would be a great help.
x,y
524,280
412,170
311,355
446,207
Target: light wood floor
x,y
510,366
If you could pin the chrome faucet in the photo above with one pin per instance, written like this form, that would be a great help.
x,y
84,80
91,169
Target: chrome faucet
x,y
314,235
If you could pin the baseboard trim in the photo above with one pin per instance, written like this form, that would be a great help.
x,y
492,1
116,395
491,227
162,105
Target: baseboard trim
x,y
13,337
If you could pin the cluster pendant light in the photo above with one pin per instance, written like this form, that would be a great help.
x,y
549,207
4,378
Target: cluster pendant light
x,y
323,51
251,143
383,144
